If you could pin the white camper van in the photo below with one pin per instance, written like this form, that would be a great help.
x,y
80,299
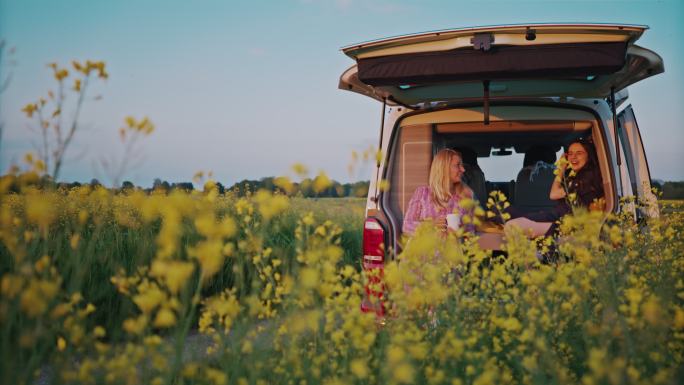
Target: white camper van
x,y
499,92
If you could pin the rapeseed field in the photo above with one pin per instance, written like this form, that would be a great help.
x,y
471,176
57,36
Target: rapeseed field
x,y
104,287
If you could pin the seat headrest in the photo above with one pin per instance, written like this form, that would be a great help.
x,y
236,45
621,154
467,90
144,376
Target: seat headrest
x,y
469,156
535,154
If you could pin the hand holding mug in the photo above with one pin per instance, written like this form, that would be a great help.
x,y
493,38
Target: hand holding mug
x,y
440,223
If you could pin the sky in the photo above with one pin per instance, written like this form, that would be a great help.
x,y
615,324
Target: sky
x,y
245,89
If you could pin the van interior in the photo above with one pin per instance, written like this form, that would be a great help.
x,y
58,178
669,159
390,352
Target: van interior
x,y
527,147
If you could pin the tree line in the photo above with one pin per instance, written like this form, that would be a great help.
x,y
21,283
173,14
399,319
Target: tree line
x,y
668,190
305,188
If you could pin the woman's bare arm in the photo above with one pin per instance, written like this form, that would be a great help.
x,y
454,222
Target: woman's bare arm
x,y
557,190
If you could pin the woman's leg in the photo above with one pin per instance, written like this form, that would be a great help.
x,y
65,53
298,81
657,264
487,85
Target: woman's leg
x,y
531,228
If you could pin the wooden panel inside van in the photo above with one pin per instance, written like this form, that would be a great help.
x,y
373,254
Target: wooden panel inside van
x,y
412,163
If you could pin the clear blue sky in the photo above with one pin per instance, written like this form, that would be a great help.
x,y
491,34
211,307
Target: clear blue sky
x,y
246,89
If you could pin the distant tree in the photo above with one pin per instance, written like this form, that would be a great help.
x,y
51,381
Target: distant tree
x,y
339,189
245,187
657,183
673,190
183,186
303,189
160,185
127,186
266,184
46,182
221,189
306,188
359,189
95,183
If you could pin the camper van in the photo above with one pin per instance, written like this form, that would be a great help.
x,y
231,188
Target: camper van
x,y
511,95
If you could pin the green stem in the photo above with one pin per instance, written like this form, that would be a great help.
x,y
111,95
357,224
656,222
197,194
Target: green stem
x,y
182,333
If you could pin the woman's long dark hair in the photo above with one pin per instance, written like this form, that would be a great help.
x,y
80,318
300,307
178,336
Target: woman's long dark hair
x,y
588,178
592,159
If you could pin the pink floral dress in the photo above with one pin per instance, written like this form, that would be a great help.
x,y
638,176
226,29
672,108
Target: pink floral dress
x,y
421,208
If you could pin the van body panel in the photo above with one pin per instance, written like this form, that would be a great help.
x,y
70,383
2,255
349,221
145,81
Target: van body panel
x,y
503,34
391,116
548,61
640,63
510,39
637,172
497,113
574,60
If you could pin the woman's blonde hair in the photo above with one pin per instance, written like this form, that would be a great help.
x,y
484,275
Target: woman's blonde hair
x,y
440,182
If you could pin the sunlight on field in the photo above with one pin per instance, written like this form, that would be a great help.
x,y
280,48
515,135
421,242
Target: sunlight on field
x,y
98,287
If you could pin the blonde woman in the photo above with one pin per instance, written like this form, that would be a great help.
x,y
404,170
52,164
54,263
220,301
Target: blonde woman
x,y
442,195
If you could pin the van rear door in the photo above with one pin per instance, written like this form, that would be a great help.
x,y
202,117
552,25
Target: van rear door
x,y
566,60
636,163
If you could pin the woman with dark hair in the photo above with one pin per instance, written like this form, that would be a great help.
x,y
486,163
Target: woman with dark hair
x,y
579,185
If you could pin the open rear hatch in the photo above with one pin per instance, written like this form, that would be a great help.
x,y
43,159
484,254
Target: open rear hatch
x,y
550,60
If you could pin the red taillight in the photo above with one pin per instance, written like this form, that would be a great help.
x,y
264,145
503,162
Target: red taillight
x,y
373,263
373,244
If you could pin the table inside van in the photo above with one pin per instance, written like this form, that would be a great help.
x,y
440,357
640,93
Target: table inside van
x,y
490,241
490,236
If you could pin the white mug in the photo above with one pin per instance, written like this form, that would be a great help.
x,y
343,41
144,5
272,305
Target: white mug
x,y
453,221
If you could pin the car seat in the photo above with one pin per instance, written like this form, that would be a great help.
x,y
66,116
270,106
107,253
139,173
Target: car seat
x,y
533,183
473,176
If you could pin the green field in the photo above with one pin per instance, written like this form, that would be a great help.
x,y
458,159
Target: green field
x,y
103,288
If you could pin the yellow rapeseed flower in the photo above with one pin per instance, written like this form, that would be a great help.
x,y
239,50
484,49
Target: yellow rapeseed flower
x,y
395,354
149,299
165,318
384,185
60,74
41,209
135,325
209,253
35,298
270,205
216,377
321,182
309,277
403,373
652,311
359,368
73,241
284,183
11,285
679,319
300,170
29,109
174,274
61,344
99,332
